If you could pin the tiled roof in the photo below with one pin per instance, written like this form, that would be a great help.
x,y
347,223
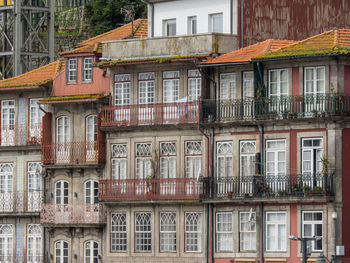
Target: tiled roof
x,y
247,53
34,78
136,29
72,98
333,42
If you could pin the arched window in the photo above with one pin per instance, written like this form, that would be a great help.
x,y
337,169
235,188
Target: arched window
x,y
62,139
61,252
91,128
34,241
61,192
91,192
6,241
91,252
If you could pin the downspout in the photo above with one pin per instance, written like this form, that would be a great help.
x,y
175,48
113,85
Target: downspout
x,y
242,23
262,203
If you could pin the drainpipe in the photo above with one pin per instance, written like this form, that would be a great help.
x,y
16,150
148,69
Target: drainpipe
x,y
262,203
242,21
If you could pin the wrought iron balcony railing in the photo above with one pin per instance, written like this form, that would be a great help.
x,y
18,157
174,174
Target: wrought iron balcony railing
x,y
21,202
268,186
282,107
72,214
147,189
20,134
150,114
21,258
73,153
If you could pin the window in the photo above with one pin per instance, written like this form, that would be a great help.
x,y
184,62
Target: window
x,y
34,243
247,231
248,85
315,78
167,232
91,129
313,226
276,231
61,192
170,86
224,232
143,232
193,232
91,252
193,159
119,159
224,159
247,158
143,160
6,184
34,186
61,252
122,89
6,241
35,120
228,86
87,69
118,232
91,193
278,83
275,157
7,122
63,130
216,23
194,85
72,70
146,88
168,160
311,156
169,27
192,25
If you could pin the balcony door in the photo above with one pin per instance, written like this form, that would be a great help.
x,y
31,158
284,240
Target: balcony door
x,y
34,244
144,168
35,121
91,197
171,80
34,186
278,91
6,243
63,140
312,151
276,165
7,122
61,201
6,193
122,97
91,138
168,167
247,166
314,88
224,180
146,97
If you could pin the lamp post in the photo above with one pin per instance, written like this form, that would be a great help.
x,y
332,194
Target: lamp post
x,y
304,244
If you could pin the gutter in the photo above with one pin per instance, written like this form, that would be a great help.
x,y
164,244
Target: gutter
x,y
297,57
224,64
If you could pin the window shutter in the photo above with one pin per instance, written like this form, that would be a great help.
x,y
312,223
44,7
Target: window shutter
x,y
258,165
100,142
46,139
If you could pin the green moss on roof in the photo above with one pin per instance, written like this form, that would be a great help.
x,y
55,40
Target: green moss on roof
x,y
74,97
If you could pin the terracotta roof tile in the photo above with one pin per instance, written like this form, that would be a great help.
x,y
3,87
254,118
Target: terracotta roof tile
x,y
34,78
247,53
126,31
333,42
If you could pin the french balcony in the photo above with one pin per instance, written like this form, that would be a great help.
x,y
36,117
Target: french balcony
x,y
150,189
150,114
271,186
21,202
275,108
73,153
87,214
20,134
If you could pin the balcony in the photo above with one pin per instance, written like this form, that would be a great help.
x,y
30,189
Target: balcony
x,y
20,135
21,202
284,107
150,114
150,189
73,153
268,186
72,214
22,258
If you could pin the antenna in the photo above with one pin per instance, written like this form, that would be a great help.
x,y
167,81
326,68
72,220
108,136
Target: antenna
x,y
129,15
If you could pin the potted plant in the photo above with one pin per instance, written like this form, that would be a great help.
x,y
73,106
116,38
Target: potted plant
x,y
325,163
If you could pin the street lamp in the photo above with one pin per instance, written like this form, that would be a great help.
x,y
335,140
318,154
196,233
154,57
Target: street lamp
x,y
304,244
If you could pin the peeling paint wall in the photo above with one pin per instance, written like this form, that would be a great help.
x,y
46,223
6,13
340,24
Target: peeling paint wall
x,y
291,19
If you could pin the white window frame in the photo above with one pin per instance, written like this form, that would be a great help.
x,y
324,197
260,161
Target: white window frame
x,y
192,26
278,83
146,87
169,27
6,241
63,190
34,186
119,232
171,86
313,149
227,159
167,232
72,70
122,84
213,19
193,232
91,129
248,85
315,80
119,161
143,161
228,87
61,258
91,192
313,224
34,243
168,160
6,178
8,121
226,233
35,119
87,69
143,232
193,159
194,84
91,254
276,238
63,135
276,160
249,156
247,231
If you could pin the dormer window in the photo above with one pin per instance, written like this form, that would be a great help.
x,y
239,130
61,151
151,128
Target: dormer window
x,y
87,69
72,70
169,27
